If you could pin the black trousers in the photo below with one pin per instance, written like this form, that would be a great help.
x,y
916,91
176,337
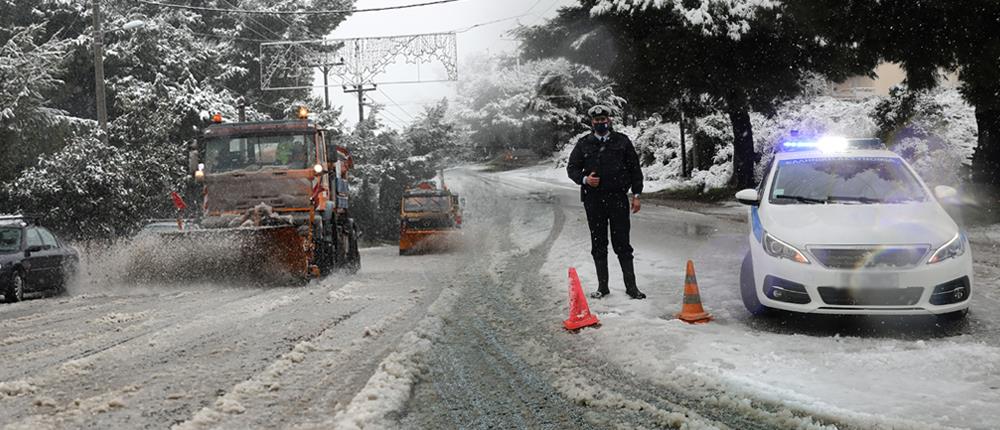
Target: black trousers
x,y
610,210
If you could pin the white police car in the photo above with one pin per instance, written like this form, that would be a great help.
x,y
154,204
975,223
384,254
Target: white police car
x,y
844,226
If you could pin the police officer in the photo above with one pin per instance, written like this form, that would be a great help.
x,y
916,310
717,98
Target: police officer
x,y
605,165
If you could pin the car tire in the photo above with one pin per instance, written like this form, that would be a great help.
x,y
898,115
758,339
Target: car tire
x,y
15,291
353,253
748,289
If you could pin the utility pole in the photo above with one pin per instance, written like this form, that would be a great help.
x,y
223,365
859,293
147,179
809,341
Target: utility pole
x,y
241,104
102,110
361,90
326,68
684,161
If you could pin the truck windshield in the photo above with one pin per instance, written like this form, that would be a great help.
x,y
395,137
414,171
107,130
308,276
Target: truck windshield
x,y
10,240
250,153
857,180
426,204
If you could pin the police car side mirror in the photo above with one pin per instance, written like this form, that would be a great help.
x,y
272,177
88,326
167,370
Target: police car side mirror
x,y
748,197
944,192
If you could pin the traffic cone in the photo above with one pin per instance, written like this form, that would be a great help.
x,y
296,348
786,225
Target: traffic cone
x,y
692,312
579,311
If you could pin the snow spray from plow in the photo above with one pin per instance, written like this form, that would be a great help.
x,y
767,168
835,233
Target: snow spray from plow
x,y
266,253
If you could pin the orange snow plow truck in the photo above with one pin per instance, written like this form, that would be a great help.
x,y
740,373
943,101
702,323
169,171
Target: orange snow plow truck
x,y
429,218
275,202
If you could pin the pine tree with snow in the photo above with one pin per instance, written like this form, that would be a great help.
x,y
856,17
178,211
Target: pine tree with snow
x,y
734,56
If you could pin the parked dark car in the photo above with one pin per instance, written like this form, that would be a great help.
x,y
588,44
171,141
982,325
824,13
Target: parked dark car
x,y
32,259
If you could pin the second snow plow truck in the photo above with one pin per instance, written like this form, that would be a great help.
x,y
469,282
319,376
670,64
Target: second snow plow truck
x,y
275,203
429,217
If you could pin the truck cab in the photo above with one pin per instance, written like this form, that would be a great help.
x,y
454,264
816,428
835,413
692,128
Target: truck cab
x,y
427,216
265,175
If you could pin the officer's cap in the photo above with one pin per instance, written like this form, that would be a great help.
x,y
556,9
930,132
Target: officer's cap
x,y
598,111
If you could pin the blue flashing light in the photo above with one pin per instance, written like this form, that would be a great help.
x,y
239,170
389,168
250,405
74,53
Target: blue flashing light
x,y
831,144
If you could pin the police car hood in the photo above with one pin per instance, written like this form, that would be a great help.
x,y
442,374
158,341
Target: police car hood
x,y
804,225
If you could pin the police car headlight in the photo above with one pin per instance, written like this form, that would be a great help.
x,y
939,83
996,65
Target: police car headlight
x,y
779,249
954,248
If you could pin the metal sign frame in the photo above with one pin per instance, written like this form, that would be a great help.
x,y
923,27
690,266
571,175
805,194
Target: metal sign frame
x,y
357,62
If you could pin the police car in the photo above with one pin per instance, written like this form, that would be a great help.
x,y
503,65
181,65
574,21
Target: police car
x,y
844,226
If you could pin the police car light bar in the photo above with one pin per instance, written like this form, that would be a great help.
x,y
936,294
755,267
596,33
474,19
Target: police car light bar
x,y
832,144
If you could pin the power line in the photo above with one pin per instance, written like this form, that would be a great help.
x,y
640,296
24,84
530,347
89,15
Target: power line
x,y
294,12
251,19
395,103
226,36
526,13
391,121
401,120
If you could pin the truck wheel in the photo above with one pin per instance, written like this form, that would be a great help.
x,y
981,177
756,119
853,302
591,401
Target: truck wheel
x,y
748,289
353,253
15,291
324,256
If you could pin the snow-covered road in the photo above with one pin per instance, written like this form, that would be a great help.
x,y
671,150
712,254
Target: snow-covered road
x,y
853,372
209,356
473,339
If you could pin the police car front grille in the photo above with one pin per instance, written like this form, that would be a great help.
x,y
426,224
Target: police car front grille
x,y
885,257
870,296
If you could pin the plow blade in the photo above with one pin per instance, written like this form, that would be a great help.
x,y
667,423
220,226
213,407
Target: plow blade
x,y
420,241
257,254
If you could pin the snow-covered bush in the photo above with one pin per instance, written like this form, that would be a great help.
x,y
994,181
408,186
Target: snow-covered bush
x,y
89,189
812,116
934,130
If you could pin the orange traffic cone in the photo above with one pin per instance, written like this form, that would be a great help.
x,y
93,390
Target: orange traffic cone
x,y
692,312
579,311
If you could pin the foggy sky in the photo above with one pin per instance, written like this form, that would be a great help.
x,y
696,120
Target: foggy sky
x,y
432,19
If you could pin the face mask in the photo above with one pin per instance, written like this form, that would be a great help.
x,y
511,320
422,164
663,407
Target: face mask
x,y
602,128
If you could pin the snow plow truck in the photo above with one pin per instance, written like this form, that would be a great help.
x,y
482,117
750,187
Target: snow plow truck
x,y
430,217
275,203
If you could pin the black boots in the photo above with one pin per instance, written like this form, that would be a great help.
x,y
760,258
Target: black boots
x,y
602,278
628,272
629,276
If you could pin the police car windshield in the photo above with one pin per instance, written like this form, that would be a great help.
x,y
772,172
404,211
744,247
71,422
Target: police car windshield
x,y
10,240
845,180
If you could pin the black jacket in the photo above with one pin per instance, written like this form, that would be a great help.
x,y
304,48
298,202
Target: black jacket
x,y
615,162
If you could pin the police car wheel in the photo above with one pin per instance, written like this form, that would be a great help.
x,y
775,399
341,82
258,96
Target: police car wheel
x,y
749,291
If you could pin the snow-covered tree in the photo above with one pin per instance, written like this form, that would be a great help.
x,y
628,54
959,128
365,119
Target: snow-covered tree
x,y
537,105
91,190
385,164
433,132
163,78
29,124
731,56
